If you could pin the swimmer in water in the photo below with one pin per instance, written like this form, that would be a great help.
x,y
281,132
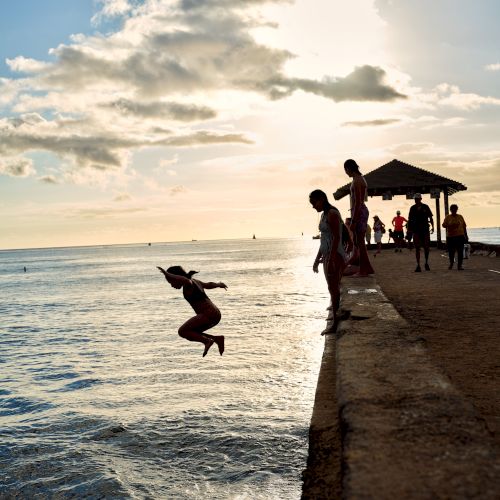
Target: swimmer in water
x,y
207,313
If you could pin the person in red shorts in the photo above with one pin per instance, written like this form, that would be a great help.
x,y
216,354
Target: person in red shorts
x,y
398,234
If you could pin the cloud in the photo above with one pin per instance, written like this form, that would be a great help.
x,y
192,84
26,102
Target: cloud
x,y
111,8
204,137
446,94
177,190
48,179
101,150
164,163
492,67
165,110
17,167
365,83
102,97
22,64
372,123
122,197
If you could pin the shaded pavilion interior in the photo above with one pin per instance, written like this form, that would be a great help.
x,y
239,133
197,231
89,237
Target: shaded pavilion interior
x,y
397,178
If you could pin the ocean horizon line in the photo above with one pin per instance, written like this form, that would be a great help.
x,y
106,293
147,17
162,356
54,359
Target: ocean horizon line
x,y
148,243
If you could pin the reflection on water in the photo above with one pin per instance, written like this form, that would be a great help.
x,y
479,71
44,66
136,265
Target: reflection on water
x,y
100,397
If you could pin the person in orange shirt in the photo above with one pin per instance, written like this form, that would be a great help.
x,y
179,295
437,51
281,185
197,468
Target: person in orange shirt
x,y
456,236
398,233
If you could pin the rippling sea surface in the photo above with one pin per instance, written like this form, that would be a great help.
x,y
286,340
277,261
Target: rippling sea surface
x,y
99,396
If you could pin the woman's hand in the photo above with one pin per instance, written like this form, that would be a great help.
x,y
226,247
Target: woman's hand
x,y
317,263
222,285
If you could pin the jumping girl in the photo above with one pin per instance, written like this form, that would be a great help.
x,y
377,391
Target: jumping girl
x,y
207,313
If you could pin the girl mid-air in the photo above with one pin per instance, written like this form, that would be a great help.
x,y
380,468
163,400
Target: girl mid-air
x,y
207,313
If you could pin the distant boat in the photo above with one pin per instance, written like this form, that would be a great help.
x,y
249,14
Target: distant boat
x,y
254,238
194,240
317,237
149,244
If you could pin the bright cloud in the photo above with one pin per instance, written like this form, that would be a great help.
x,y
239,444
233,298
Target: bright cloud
x,y
492,67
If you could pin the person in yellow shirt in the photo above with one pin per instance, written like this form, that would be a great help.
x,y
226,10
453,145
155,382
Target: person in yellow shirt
x,y
456,236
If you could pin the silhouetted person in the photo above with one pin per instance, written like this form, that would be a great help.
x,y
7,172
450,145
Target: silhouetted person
x,y
359,215
207,313
419,218
398,234
456,236
378,231
331,250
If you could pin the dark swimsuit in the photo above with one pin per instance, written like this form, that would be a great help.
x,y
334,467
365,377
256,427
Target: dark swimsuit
x,y
201,304
196,296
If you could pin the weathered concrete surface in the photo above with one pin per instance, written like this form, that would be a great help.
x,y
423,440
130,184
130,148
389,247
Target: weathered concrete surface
x,y
406,431
387,423
322,478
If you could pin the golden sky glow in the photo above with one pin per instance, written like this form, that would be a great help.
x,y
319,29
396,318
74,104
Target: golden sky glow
x,y
173,120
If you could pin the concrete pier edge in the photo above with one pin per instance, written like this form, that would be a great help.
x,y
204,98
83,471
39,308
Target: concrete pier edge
x,y
386,422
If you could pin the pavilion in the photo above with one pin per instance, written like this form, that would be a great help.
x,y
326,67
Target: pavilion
x,y
398,178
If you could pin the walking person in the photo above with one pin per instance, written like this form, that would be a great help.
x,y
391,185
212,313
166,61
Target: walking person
x,y
207,313
456,236
419,218
378,231
398,234
359,215
331,251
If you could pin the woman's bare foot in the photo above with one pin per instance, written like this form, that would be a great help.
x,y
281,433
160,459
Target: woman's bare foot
x,y
220,343
208,345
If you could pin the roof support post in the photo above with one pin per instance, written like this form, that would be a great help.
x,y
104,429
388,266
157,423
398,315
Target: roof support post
x,y
446,208
438,223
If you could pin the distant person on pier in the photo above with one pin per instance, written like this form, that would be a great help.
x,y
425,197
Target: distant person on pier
x,y
419,219
359,215
207,313
378,231
456,236
398,234
331,251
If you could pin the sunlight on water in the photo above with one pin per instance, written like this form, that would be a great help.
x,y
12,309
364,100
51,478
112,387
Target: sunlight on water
x,y
100,396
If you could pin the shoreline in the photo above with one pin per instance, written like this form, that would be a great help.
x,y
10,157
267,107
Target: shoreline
x,y
414,415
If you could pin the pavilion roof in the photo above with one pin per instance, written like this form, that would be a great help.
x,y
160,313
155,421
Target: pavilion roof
x,y
402,178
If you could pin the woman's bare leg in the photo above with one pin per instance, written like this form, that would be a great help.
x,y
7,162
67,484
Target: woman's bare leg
x,y
334,269
365,268
193,330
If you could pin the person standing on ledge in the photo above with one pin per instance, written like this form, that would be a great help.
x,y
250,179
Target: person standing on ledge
x,y
419,218
359,215
456,236
207,313
331,250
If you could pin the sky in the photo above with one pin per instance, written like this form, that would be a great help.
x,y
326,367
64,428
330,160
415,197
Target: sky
x,y
125,121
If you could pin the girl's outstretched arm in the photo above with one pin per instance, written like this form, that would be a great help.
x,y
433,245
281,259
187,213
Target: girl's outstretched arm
x,y
211,284
175,278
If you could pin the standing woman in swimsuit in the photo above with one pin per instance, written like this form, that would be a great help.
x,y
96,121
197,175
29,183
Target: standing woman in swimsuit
x,y
359,215
207,313
331,250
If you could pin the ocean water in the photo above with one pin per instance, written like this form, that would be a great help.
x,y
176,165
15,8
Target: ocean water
x,y
489,235
100,398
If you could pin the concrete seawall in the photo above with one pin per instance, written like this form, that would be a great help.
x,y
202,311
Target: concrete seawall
x,y
387,423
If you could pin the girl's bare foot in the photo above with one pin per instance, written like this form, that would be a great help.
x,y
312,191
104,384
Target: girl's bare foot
x,y
220,343
208,345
